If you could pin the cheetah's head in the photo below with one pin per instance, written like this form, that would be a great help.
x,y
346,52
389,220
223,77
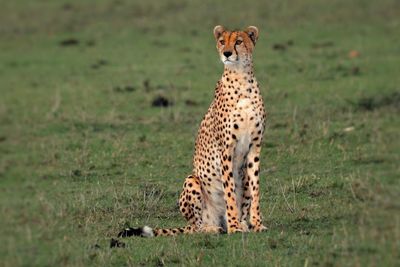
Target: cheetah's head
x,y
235,47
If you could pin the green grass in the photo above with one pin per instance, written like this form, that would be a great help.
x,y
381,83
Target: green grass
x,y
82,155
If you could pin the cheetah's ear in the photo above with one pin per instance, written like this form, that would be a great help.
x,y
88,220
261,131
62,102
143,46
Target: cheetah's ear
x,y
218,30
252,32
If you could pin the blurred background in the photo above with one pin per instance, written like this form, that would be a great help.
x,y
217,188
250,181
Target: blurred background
x,y
100,102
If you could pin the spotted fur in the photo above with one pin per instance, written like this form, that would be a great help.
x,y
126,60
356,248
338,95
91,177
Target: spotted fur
x,y
222,193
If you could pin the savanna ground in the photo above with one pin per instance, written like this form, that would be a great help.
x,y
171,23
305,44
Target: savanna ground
x,y
101,100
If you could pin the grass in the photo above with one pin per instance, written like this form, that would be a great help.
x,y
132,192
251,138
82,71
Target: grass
x,y
84,152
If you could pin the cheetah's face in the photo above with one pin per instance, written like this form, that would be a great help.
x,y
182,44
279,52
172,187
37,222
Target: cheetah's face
x,y
235,47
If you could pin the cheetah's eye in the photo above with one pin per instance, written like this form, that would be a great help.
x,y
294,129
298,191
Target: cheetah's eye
x,y
222,42
238,42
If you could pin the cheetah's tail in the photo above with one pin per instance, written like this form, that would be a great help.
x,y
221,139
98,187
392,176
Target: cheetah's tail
x,y
147,231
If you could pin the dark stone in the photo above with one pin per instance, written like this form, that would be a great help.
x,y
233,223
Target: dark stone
x,y
279,47
161,101
115,243
69,42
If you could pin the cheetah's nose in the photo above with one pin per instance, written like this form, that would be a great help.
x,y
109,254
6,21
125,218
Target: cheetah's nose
x,y
227,53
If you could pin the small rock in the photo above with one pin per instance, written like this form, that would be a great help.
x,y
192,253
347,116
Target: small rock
x,y
69,42
76,173
115,243
290,42
355,70
280,47
190,102
161,101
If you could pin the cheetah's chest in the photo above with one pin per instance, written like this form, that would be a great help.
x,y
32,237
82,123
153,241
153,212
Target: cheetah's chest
x,y
244,117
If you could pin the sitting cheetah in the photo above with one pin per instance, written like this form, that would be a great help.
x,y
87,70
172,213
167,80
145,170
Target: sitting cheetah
x,y
222,193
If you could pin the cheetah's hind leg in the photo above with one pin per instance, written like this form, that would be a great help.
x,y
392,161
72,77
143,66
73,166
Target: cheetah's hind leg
x,y
191,202
191,206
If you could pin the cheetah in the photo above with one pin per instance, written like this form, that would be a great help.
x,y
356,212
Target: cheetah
x,y
222,194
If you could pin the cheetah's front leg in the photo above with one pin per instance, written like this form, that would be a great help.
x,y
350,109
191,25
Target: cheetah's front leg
x,y
253,169
229,192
